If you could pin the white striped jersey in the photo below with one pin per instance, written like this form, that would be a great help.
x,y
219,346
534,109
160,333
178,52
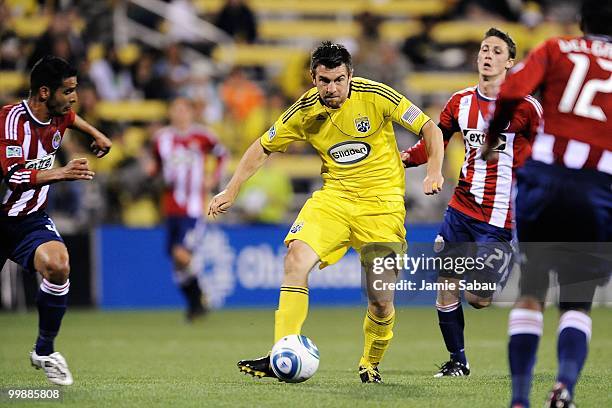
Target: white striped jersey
x,y
27,146
484,189
181,158
575,76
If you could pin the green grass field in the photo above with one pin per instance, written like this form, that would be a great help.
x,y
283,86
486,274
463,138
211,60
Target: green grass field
x,y
154,359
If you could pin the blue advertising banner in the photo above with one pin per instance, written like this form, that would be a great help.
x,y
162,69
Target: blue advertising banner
x,y
240,266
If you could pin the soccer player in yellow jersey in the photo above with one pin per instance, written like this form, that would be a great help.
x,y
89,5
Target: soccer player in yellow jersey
x,y
348,120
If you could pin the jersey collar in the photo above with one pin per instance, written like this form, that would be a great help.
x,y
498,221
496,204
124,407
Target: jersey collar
x,y
482,96
600,37
38,122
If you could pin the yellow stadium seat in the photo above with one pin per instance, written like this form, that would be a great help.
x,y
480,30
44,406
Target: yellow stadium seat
x,y
129,111
398,31
391,8
140,212
128,54
95,52
440,82
285,30
22,7
134,139
456,32
12,81
30,27
546,30
316,29
250,55
405,8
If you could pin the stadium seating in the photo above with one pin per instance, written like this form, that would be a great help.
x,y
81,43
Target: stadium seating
x,y
12,82
439,82
393,8
132,111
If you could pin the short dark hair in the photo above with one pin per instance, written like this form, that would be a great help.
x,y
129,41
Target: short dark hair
x,y
494,32
50,71
330,55
595,17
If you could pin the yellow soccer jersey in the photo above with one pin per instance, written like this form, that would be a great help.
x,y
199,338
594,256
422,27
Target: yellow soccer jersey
x,y
356,142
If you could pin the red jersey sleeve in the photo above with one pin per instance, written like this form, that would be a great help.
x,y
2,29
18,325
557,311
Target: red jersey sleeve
x,y
12,156
448,124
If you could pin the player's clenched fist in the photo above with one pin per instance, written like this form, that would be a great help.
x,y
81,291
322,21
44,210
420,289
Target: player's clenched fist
x,y
77,169
433,184
101,146
221,203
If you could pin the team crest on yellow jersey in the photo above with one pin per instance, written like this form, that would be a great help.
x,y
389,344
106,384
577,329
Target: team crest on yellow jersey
x,y
362,124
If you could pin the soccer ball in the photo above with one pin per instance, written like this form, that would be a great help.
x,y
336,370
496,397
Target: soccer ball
x,y
294,358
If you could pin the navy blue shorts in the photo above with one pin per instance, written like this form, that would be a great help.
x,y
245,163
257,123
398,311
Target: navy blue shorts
x,y
564,224
556,204
177,229
462,236
20,236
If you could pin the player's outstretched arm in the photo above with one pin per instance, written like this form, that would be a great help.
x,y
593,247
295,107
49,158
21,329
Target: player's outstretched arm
x,y
251,161
434,142
101,144
76,169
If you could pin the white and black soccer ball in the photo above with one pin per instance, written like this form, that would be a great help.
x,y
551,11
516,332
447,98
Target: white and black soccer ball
x,y
294,358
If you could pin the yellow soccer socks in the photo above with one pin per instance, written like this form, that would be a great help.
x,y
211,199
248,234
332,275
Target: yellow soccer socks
x,y
292,311
378,332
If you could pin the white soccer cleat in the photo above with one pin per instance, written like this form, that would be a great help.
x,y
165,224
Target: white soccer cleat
x,y
55,367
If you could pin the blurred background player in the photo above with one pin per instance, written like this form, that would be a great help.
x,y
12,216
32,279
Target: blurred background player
x,y
31,132
479,210
349,123
563,194
180,152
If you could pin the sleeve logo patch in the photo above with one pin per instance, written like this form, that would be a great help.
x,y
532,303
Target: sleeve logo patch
x,y
411,114
272,133
14,151
297,227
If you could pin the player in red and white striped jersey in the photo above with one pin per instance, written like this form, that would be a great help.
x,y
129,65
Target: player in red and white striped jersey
x,y
479,210
564,195
181,151
30,135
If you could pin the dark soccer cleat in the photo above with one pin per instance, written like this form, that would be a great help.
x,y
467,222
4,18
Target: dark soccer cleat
x,y
453,369
370,374
559,397
260,367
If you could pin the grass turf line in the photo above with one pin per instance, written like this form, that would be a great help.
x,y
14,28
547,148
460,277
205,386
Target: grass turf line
x,y
154,359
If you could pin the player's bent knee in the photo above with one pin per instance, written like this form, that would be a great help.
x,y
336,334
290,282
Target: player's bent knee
x,y
381,308
447,297
51,260
56,270
298,259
